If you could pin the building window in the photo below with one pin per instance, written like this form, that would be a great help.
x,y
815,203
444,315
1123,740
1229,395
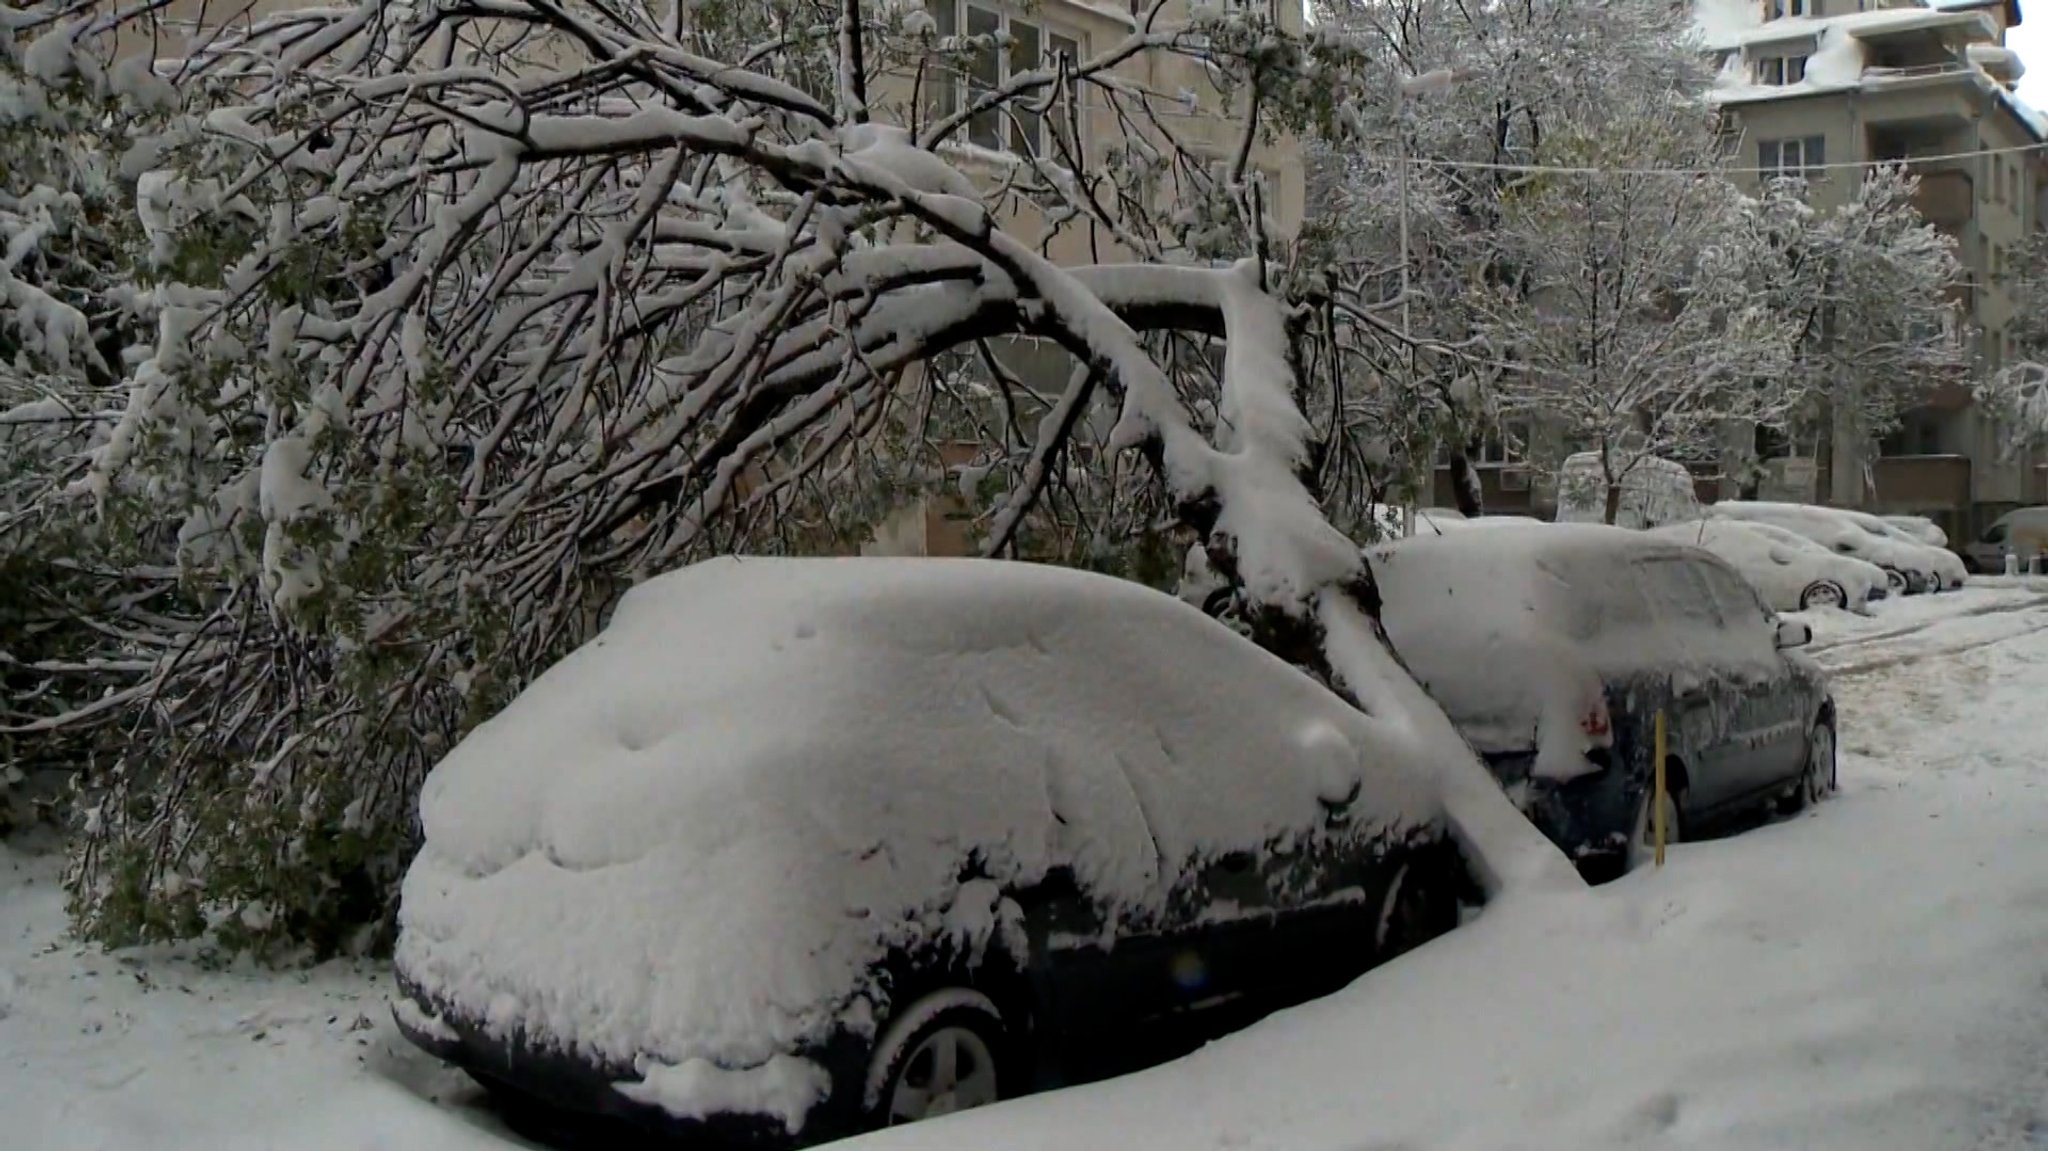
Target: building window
x,y
1801,156
1779,9
2012,185
1507,445
1781,70
1007,47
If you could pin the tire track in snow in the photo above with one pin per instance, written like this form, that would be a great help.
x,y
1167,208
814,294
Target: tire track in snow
x,y
1913,629
1891,649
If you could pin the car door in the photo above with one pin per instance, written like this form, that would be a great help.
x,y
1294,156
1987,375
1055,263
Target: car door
x,y
1771,717
1702,697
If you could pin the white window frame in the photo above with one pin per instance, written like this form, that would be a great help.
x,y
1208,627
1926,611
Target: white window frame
x,y
1009,130
1793,156
1779,9
1779,71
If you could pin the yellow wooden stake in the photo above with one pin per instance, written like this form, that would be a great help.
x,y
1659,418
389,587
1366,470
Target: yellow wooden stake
x,y
1657,803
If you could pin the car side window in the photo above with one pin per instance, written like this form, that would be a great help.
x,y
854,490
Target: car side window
x,y
1996,534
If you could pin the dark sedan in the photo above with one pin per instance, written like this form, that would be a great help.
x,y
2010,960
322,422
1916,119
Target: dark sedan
x,y
799,848
1554,647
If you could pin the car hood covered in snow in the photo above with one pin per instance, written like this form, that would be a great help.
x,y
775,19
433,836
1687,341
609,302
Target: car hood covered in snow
x,y
694,837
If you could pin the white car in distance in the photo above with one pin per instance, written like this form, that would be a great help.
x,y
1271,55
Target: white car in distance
x,y
1909,567
1790,572
1944,566
1920,528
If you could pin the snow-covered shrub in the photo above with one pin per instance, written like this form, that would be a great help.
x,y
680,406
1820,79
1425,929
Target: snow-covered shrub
x,y
67,309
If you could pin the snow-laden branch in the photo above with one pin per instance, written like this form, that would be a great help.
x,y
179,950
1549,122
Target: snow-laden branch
x,y
444,323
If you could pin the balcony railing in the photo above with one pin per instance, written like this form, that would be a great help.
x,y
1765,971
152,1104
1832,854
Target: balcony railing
x,y
1945,196
1922,483
1919,71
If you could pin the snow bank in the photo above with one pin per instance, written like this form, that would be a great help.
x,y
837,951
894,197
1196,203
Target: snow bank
x,y
692,838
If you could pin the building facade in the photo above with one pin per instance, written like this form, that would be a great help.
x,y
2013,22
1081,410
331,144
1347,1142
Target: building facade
x,y
1809,85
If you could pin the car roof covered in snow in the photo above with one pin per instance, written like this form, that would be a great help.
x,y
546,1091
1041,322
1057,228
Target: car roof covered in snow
x,y
694,836
1505,628
1527,577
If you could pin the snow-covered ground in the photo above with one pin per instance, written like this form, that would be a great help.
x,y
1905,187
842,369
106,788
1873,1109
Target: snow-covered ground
x,y
1871,976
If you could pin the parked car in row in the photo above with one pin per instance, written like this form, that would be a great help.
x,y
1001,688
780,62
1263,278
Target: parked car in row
x,y
1553,648
1790,572
1910,567
1945,568
800,848
1920,528
2022,532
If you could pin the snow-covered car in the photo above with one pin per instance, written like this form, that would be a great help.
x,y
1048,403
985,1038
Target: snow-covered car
x,y
1920,528
1441,525
1655,491
799,848
1392,520
1908,568
1791,572
1553,648
1945,569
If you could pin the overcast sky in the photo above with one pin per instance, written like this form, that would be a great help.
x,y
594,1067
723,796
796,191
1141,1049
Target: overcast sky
x,y
2030,40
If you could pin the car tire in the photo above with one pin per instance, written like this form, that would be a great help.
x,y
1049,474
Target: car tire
x,y
1817,776
948,1051
1642,847
1824,593
1896,581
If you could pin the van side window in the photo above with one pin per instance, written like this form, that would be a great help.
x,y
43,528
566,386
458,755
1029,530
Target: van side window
x,y
1996,534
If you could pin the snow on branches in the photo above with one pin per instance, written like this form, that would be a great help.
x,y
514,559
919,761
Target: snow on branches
x,y
461,318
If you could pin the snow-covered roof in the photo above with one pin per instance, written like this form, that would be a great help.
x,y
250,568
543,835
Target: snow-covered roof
x,y
694,836
1834,45
1998,60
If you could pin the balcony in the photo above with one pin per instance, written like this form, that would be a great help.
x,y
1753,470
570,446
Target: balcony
x,y
1922,483
1946,197
1502,488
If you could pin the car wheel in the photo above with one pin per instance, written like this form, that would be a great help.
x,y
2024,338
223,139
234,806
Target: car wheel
x,y
1817,779
946,1052
1642,842
1824,593
1895,580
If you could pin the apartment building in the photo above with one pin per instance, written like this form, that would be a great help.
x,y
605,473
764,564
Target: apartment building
x,y
1810,84
1816,82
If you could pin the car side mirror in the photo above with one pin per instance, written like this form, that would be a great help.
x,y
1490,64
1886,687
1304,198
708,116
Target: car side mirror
x,y
1792,633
